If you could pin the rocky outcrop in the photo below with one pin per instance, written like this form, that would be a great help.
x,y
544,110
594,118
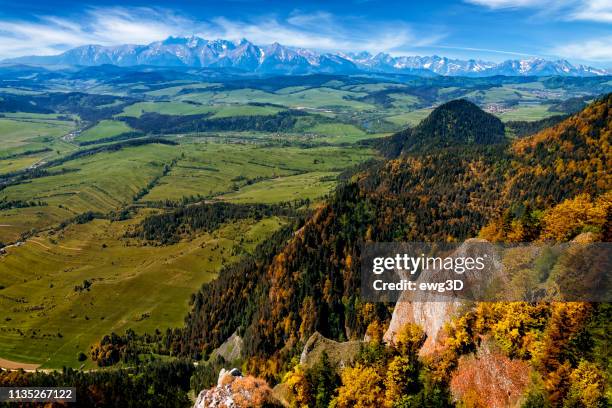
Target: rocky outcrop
x,y
340,354
432,310
230,350
430,316
234,390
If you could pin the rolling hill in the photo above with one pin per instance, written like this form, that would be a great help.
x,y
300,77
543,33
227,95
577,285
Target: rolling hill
x,y
455,123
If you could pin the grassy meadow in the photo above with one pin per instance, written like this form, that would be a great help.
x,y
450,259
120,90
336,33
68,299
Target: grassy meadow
x,y
102,130
311,185
135,286
212,169
182,108
44,320
528,113
47,322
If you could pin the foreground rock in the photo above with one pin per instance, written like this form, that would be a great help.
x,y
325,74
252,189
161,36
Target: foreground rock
x,y
234,390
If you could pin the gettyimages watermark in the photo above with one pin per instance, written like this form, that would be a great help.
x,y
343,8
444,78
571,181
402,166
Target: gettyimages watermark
x,y
478,270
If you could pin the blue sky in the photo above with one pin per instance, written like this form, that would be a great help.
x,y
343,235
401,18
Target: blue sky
x,y
578,30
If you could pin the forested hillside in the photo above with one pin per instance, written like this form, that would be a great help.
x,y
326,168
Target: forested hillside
x,y
515,190
158,124
457,123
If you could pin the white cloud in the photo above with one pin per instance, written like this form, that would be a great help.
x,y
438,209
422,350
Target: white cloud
x,y
51,35
586,10
594,10
137,26
119,25
487,50
310,19
599,49
501,4
322,31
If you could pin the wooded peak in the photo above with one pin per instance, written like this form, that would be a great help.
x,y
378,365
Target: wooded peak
x,y
461,122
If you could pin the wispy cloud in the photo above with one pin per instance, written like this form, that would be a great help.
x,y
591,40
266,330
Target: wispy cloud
x,y
594,10
323,31
569,10
597,49
137,25
119,25
487,50
49,34
501,4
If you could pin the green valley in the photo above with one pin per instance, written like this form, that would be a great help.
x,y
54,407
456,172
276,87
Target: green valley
x,y
192,219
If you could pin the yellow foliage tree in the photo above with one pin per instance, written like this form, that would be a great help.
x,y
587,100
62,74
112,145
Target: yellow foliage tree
x,y
570,217
299,386
409,340
587,385
401,379
362,387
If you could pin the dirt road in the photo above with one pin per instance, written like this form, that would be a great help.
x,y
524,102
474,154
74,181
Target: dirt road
x,y
14,365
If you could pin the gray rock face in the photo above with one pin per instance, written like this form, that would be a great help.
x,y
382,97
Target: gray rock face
x,y
430,316
431,311
230,350
339,353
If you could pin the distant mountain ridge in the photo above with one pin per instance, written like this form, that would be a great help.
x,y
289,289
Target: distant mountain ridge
x,y
279,59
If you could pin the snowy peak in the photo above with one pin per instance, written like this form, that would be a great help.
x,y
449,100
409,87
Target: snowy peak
x,y
279,59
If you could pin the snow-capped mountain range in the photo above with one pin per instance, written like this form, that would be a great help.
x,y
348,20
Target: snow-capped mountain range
x,y
278,59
